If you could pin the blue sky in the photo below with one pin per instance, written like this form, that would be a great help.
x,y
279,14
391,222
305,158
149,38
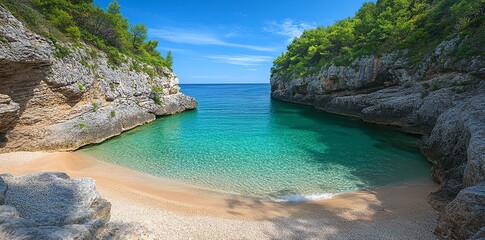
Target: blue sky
x,y
229,41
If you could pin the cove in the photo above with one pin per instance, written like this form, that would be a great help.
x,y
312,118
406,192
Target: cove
x,y
241,141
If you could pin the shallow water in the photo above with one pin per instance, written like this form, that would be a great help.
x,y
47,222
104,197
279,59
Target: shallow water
x,y
241,141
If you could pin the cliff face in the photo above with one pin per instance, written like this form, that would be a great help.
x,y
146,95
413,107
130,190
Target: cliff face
x,y
50,100
442,98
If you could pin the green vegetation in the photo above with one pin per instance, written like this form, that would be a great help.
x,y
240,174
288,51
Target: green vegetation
x,y
82,126
80,86
462,84
149,71
424,93
81,20
95,106
135,66
61,51
112,86
457,87
113,114
84,62
435,86
384,26
458,90
157,100
157,89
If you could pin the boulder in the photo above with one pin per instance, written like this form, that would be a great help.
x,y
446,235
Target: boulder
x,y
464,217
54,206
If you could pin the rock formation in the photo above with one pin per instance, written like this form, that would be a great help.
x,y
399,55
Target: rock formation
x,y
53,206
53,100
442,98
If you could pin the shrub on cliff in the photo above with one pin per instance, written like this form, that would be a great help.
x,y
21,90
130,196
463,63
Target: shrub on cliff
x,y
384,26
73,20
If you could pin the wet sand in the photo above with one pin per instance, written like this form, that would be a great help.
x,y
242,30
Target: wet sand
x,y
172,210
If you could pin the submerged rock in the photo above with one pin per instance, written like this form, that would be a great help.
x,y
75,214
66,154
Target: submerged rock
x,y
53,206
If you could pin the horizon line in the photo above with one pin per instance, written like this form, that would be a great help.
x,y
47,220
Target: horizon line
x,y
221,83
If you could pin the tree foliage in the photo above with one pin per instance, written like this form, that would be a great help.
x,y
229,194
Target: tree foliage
x,y
106,29
138,35
384,26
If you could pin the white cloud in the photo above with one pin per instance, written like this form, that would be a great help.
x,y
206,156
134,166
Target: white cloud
x,y
241,60
288,28
253,69
201,38
231,34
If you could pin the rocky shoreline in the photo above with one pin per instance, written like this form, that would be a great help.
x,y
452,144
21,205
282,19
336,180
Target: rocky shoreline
x,y
62,96
441,98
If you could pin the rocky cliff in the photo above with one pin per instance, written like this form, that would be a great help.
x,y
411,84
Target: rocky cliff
x,y
61,96
442,98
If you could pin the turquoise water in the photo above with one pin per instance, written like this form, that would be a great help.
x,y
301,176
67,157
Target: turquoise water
x,y
241,141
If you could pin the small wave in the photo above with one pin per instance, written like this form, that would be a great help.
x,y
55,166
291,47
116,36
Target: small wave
x,y
299,198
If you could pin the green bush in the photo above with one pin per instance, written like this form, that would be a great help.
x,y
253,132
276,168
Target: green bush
x,y
113,114
157,89
135,66
84,62
458,90
65,23
115,58
385,26
80,87
462,83
95,106
107,30
157,100
61,51
112,86
435,86
149,71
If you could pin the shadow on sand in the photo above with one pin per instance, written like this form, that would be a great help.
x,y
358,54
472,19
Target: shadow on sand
x,y
399,212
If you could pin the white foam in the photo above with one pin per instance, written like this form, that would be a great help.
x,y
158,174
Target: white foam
x,y
299,198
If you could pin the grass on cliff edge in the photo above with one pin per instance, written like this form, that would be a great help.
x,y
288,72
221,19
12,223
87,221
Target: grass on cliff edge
x,y
385,26
81,20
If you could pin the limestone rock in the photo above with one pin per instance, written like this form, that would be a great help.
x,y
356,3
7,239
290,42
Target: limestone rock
x,y
94,125
124,231
3,190
175,103
49,102
464,217
442,98
19,46
458,142
55,199
9,113
53,206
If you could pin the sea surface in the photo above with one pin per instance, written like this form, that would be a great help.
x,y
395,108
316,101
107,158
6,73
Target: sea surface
x,y
241,141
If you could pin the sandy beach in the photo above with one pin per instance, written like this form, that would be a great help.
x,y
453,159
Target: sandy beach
x,y
172,210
